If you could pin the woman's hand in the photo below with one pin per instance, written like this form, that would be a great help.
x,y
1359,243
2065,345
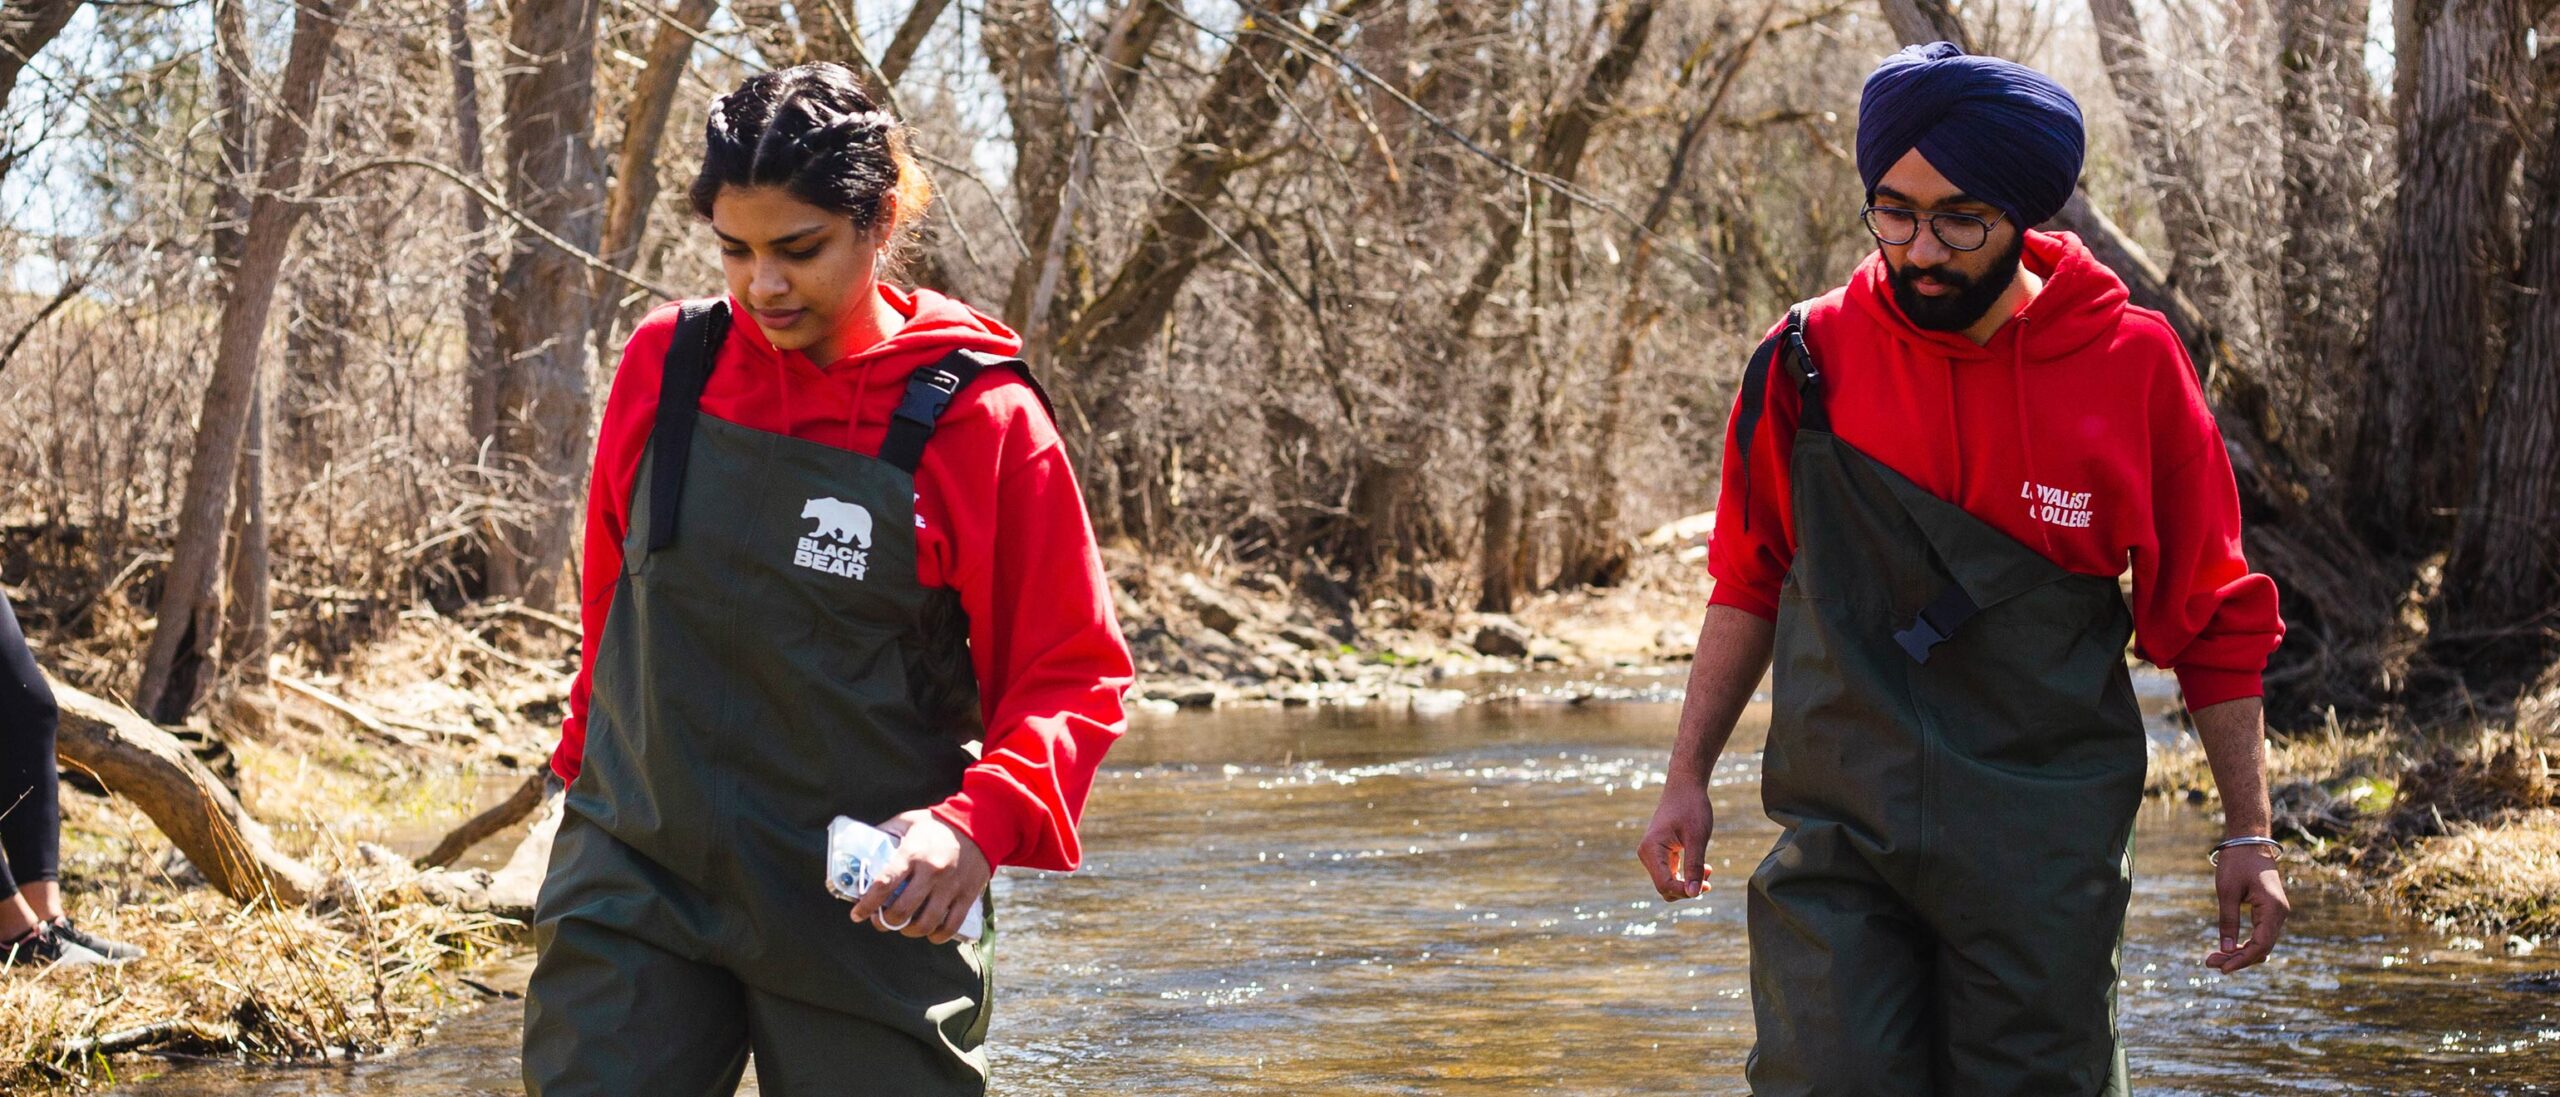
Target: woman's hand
x,y
944,874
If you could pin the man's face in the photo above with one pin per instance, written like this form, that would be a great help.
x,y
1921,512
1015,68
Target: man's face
x,y
1938,287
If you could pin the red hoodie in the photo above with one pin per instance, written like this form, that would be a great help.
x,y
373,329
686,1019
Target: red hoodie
x,y
998,518
2079,430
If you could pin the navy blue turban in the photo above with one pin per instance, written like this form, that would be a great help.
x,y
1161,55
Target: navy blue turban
x,y
2003,132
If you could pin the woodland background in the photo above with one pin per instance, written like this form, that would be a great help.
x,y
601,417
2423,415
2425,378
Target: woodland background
x,y
313,304
1420,313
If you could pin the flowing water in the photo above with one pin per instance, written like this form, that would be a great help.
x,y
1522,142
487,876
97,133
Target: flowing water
x,y
1364,901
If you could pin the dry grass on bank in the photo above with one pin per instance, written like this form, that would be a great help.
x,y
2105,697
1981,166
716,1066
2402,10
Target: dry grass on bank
x,y
2459,826
440,718
363,971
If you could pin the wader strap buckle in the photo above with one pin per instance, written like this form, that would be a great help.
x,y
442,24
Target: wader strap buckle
x,y
701,327
1952,608
930,392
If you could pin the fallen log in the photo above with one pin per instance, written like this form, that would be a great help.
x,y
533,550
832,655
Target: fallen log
x,y
510,891
159,1034
478,828
140,761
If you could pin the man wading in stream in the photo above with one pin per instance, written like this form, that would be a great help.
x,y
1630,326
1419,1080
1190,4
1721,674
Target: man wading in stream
x,y
1933,477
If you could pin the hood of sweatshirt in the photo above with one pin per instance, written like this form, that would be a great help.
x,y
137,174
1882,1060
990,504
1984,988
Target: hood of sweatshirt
x,y
935,326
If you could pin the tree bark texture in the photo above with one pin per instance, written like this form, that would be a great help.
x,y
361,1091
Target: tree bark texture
x,y
1918,21
2501,598
177,664
139,761
543,307
247,620
251,604
480,342
2327,275
2195,256
635,164
2417,444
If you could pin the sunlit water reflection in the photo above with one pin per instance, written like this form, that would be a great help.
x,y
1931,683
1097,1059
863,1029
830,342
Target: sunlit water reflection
x,y
1368,902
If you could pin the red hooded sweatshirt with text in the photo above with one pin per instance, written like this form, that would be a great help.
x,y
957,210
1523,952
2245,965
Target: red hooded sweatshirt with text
x,y
998,518
2079,430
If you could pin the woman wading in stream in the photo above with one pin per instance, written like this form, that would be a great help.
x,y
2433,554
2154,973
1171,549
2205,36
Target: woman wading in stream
x,y
832,539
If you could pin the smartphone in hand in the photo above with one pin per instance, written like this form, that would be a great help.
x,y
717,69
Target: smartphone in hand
x,y
857,853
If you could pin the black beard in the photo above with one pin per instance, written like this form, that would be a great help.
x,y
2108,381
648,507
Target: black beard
x,y
1973,297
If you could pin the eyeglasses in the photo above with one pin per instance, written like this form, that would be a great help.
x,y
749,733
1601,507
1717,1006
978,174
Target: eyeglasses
x,y
1960,231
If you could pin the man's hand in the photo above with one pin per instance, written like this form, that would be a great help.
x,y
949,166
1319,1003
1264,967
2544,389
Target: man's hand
x,y
2234,734
944,874
2247,877
1733,651
1674,849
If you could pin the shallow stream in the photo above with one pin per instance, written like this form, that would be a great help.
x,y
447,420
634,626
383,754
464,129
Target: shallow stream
x,y
1366,901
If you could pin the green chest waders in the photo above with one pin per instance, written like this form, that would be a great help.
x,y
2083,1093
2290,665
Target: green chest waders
x,y
1956,757
769,663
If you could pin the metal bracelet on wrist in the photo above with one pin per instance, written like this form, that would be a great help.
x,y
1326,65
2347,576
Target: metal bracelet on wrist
x,y
2275,849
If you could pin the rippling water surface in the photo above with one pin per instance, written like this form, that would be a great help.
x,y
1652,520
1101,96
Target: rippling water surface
x,y
1366,901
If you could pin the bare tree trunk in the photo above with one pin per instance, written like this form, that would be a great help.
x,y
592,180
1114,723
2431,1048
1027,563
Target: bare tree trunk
x,y
1055,133
238,134
2327,272
776,33
911,31
1563,137
1245,100
25,28
2501,602
635,167
2195,256
1918,21
248,621
543,307
828,33
1596,551
137,760
247,624
1020,38
480,342
176,666
2418,441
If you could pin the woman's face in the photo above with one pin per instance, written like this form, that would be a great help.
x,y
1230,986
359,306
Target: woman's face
x,y
798,268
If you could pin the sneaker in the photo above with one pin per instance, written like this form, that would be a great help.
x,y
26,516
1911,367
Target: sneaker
x,y
115,951
38,947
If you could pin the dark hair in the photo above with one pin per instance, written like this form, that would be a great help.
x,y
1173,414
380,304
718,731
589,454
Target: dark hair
x,y
811,130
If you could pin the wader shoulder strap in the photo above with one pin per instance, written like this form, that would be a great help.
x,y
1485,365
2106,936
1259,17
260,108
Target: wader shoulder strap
x,y
701,326
929,393
1786,347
